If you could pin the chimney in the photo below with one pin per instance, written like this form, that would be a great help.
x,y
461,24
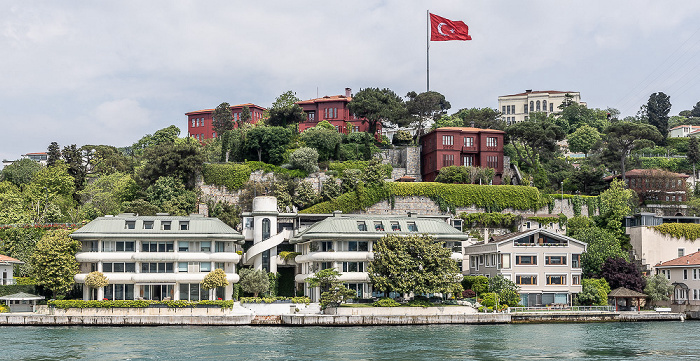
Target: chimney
x,y
472,124
528,90
348,92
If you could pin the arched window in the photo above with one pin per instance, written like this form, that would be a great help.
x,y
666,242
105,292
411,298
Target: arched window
x,y
544,105
265,229
532,106
538,105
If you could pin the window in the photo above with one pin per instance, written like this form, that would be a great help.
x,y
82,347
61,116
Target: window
x,y
119,292
503,108
165,225
193,123
468,141
205,267
118,246
182,266
130,225
219,246
358,246
355,129
119,267
157,246
544,105
681,252
551,107
526,260
468,160
157,267
183,246
538,105
556,279
361,226
492,161
205,246
575,279
448,140
525,108
326,246
266,227
491,142
395,226
576,260
378,226
353,266
685,274
525,279
504,261
532,106
193,292
412,227
448,160
555,260
184,225
147,224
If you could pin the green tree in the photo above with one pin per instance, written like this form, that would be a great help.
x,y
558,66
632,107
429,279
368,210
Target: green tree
x,y
51,192
506,289
21,172
226,212
222,118
330,189
285,111
304,158
12,206
325,141
375,173
693,154
106,159
76,168
333,292
268,144
305,196
140,207
587,180
695,112
615,203
54,154
446,121
165,136
254,281
54,261
534,140
245,115
623,137
594,292
415,264
658,106
180,160
171,196
107,193
602,245
484,118
425,106
658,288
583,139
214,279
478,284
96,280
376,106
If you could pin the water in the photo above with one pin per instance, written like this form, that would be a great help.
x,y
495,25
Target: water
x,y
590,341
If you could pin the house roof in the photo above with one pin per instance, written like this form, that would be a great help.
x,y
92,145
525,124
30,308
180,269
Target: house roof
x,y
511,236
8,259
692,259
541,92
346,226
686,126
622,292
647,172
327,98
115,227
21,296
468,129
205,111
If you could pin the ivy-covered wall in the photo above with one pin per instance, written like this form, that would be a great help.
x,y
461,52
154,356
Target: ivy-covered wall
x,y
689,231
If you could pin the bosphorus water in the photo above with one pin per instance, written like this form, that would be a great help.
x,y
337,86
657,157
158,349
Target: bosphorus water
x,y
582,341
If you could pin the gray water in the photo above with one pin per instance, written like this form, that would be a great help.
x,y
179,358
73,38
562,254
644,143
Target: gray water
x,y
590,341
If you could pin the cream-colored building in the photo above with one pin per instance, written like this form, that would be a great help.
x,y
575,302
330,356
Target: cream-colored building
x,y
684,275
545,265
517,107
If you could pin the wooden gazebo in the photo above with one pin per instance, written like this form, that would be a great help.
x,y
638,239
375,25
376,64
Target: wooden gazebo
x,y
626,294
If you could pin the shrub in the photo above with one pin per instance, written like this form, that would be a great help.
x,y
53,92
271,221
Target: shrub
x,y
96,280
488,299
468,294
214,279
231,176
419,303
386,302
305,158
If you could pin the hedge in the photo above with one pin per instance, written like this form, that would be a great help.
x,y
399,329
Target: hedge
x,y
500,220
689,231
234,175
357,164
65,304
304,299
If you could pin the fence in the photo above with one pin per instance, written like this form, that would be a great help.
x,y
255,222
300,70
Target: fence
x,y
564,308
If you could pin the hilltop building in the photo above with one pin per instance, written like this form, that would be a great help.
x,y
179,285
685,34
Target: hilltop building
x,y
684,131
199,122
333,109
40,157
517,107
655,184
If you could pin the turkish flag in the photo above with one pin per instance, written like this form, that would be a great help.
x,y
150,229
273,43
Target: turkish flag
x,y
442,29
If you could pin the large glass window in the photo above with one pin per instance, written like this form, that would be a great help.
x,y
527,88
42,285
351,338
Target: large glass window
x,y
468,141
118,267
526,260
157,246
555,260
576,260
353,266
360,246
525,279
265,228
193,292
118,246
556,279
119,292
183,246
205,246
157,267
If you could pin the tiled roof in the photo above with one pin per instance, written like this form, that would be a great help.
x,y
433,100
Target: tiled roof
x,y
327,98
692,259
7,259
648,172
250,105
541,92
622,292
496,239
687,126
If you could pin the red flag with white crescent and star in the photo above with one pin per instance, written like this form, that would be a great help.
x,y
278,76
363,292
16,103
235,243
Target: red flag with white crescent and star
x,y
442,29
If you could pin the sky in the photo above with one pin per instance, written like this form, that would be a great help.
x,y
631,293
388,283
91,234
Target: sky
x,y
110,72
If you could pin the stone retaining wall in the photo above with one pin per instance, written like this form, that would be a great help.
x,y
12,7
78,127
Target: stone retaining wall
x,y
401,311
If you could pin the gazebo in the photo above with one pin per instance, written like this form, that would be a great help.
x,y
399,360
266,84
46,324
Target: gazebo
x,y
21,302
625,293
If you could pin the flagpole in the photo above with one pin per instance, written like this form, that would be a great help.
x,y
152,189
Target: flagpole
x,y
427,51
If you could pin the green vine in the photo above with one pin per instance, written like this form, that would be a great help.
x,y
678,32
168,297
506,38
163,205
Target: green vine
x,y
577,203
491,220
689,231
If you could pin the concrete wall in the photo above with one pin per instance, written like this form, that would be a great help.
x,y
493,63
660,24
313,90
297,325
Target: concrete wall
x,y
274,308
328,320
652,247
144,311
400,311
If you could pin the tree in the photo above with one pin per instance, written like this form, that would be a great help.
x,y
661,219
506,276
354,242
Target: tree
x,y
506,289
222,118
268,144
445,121
304,195
358,146
658,106
658,288
285,111
254,281
587,180
594,292
54,261
76,168
54,154
245,115
583,139
12,207
330,189
106,159
576,116
214,279
377,106
615,203
695,112
484,118
534,140
693,154
106,194
325,141
21,172
165,136
623,137
478,284
96,280
333,292
140,207
425,106
414,264
170,195
304,158
602,245
621,273
180,160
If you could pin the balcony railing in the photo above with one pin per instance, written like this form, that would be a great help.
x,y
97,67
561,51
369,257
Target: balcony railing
x,y
7,281
564,308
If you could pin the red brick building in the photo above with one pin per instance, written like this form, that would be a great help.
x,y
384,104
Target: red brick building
x,y
333,109
461,146
199,123
655,184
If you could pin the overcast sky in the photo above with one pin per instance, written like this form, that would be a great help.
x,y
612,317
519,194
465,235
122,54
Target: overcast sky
x,y
109,72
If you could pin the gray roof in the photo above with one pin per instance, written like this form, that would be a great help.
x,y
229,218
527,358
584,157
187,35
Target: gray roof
x,y
346,226
21,296
115,227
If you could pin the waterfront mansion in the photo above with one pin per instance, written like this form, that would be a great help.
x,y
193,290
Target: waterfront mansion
x,y
545,265
156,257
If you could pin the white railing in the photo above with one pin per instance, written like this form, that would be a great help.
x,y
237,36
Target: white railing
x,y
564,308
7,281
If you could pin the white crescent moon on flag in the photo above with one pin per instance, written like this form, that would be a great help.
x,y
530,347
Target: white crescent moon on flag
x,y
439,29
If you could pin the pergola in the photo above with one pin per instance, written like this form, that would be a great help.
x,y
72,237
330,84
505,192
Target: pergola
x,y
626,294
21,302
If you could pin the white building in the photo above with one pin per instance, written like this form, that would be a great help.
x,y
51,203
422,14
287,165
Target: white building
x,y
545,265
517,107
684,274
7,265
684,131
157,257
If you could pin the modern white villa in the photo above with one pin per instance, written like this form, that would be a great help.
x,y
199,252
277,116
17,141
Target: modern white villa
x,y
157,257
544,264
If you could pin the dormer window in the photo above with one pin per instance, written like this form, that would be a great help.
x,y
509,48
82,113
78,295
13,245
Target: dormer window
x,y
184,225
165,225
412,227
362,226
379,226
147,224
395,227
130,225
